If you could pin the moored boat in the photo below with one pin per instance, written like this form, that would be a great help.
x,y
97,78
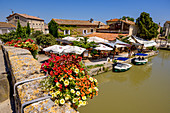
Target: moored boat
x,y
121,67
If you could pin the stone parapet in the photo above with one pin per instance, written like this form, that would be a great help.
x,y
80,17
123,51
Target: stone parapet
x,y
22,68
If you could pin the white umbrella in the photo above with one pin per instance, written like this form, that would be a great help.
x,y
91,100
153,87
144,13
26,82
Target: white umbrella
x,y
103,47
97,39
73,49
55,49
69,38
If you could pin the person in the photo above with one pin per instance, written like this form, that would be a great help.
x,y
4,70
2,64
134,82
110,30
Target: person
x,y
142,58
139,58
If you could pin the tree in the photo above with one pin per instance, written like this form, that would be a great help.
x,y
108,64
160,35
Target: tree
x,y
28,30
147,28
20,31
53,28
129,18
36,33
45,39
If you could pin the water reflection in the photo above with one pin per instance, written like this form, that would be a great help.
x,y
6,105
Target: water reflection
x,y
134,77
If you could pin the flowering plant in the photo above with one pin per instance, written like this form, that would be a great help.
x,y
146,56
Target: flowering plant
x,y
26,44
68,80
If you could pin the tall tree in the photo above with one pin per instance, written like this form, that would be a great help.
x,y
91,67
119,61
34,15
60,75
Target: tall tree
x,y
28,30
129,18
53,28
147,28
19,30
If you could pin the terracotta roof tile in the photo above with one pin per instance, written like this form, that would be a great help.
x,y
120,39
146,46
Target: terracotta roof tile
x,y
107,36
168,22
26,16
8,25
74,22
115,20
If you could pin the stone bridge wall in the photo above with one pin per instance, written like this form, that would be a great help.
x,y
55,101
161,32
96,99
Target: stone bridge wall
x,y
22,67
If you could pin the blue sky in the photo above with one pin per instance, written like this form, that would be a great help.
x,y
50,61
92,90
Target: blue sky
x,y
99,10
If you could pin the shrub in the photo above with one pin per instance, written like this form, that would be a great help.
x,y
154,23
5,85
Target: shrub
x,y
45,39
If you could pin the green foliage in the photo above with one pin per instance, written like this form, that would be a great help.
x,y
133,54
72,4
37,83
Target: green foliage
x,y
19,31
147,28
8,37
93,52
114,61
53,28
152,48
28,30
36,33
45,39
83,43
129,18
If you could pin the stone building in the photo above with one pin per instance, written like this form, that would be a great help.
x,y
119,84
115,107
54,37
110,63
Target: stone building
x,y
78,27
36,23
166,28
119,26
6,27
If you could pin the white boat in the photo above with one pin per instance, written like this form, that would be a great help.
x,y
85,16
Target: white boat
x,y
138,61
121,67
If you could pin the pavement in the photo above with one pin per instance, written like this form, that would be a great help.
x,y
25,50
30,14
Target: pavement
x,y
5,102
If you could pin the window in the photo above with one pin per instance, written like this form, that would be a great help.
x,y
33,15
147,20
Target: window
x,y
66,32
84,31
16,17
91,30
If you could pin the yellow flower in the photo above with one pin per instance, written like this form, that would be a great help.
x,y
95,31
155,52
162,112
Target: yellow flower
x,y
62,101
76,87
67,98
57,92
76,70
91,79
84,103
78,93
96,88
56,101
74,100
57,84
84,97
95,80
90,89
72,91
66,82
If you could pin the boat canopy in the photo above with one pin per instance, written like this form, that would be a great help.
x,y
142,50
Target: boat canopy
x,y
141,54
122,58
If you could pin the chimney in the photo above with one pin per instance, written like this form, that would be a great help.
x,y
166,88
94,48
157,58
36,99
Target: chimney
x,y
91,20
126,19
12,12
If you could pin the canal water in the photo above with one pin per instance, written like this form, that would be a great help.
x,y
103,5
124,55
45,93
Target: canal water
x,y
142,89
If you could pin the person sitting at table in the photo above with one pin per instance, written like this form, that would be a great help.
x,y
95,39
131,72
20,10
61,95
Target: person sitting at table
x,y
142,58
139,58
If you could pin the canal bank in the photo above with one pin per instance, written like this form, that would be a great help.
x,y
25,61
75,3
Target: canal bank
x,y
142,89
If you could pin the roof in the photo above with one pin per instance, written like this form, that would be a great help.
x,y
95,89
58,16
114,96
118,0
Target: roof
x,y
167,22
106,36
74,22
97,23
8,25
26,16
115,20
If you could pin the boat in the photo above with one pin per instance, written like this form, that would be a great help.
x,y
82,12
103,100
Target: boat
x,y
139,60
121,67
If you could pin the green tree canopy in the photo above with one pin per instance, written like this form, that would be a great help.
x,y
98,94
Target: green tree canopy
x,y
36,33
45,40
129,18
28,30
147,28
20,31
53,28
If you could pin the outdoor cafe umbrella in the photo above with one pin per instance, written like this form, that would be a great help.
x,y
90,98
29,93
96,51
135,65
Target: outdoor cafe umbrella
x,y
103,47
97,39
73,49
55,49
